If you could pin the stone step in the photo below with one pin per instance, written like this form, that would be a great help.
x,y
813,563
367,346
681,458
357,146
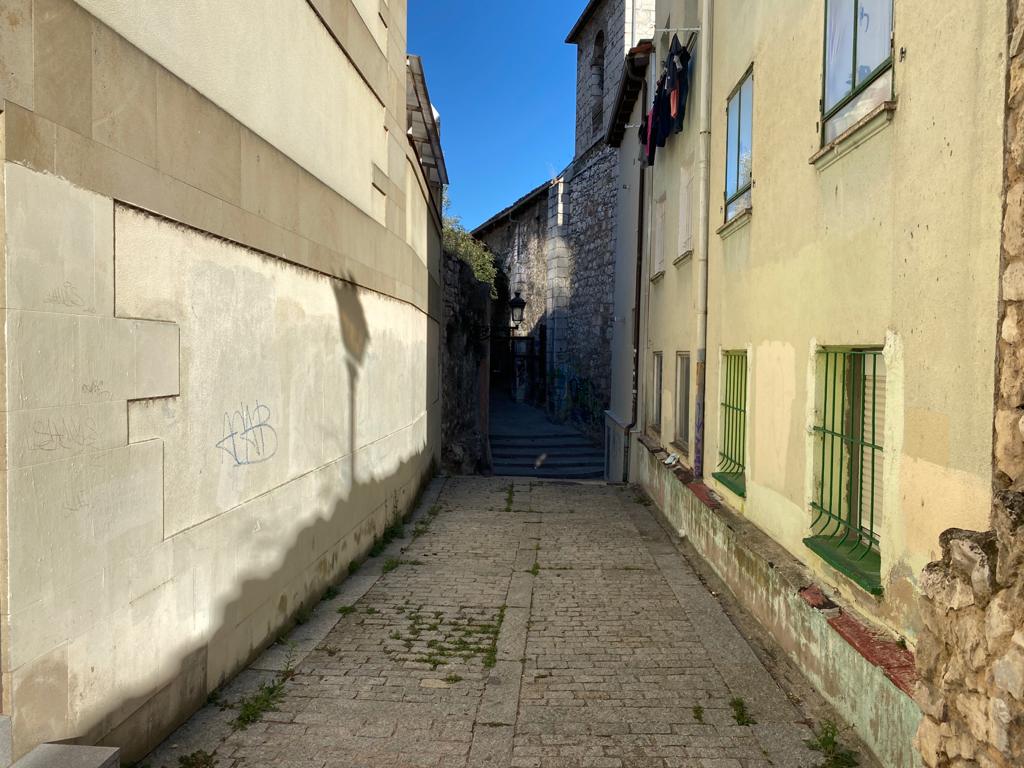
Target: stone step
x,y
70,756
551,461
551,453
579,473
569,439
544,445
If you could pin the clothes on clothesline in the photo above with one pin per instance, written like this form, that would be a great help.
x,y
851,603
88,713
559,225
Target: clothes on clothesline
x,y
668,110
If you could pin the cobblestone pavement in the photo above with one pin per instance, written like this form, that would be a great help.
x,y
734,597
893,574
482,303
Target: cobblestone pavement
x,y
528,624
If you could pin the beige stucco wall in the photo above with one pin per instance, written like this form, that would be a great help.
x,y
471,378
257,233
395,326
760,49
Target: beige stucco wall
x,y
220,347
896,243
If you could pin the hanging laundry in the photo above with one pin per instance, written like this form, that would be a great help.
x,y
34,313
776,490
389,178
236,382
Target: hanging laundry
x,y
645,136
663,122
677,81
651,145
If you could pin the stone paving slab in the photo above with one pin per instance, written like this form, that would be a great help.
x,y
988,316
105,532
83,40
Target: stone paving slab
x,y
530,625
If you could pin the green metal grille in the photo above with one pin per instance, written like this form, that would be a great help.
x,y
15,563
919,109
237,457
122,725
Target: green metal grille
x,y
733,437
848,497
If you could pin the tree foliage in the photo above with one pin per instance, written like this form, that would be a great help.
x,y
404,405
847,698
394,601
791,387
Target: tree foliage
x,y
460,243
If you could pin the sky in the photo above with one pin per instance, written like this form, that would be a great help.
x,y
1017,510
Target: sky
x,y
504,81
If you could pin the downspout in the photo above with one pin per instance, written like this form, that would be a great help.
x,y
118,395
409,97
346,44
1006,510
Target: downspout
x,y
636,312
704,169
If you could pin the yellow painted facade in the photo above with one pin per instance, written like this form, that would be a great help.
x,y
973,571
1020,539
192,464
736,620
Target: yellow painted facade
x,y
890,240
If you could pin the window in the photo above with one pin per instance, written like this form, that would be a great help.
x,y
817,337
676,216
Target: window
x,y
654,403
732,439
683,402
685,213
597,85
658,241
739,149
847,501
858,62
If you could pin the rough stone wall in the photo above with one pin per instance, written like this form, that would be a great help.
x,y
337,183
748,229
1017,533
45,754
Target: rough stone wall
x,y
559,262
971,652
611,20
519,245
590,311
463,360
559,249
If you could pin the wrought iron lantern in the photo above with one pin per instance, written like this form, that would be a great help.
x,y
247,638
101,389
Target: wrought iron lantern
x,y
518,305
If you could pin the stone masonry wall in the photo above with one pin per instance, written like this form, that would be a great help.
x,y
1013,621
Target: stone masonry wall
x,y
519,245
971,652
590,310
463,356
610,19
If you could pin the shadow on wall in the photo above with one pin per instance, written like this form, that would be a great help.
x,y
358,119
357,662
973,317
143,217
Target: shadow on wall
x,y
355,335
349,516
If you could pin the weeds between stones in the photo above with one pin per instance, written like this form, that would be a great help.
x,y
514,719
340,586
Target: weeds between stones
x,y
394,531
423,525
345,610
510,498
462,638
330,593
826,741
698,713
740,713
266,698
394,563
198,759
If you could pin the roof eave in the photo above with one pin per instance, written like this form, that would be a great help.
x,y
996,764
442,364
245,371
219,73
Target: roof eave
x,y
529,197
582,21
630,87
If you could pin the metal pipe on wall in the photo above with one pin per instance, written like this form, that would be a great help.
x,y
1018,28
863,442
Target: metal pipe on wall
x,y
704,169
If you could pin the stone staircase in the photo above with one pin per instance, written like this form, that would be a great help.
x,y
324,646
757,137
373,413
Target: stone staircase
x,y
555,453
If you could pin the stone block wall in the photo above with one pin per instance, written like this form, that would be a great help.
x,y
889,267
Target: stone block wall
x,y
586,375
222,345
519,243
971,651
464,364
611,19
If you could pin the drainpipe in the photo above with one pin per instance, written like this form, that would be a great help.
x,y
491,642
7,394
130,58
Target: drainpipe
x,y
704,170
636,315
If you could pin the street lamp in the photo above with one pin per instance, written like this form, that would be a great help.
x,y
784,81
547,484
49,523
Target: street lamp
x,y
518,305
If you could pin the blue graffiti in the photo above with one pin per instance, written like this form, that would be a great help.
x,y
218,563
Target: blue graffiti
x,y
248,438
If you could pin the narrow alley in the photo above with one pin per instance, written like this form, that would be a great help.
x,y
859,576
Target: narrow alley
x,y
516,624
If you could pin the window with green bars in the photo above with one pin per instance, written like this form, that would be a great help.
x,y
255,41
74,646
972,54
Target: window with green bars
x,y
847,502
732,439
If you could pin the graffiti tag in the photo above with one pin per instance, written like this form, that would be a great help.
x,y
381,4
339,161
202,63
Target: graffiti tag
x,y
65,295
248,437
55,433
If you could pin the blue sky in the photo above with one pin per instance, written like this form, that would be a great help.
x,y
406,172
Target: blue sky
x,y
504,82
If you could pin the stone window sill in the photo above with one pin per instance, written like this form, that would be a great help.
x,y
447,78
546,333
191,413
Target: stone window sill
x,y
872,123
657,275
682,451
736,223
649,442
682,258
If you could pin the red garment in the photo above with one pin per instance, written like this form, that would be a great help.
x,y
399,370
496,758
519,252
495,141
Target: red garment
x,y
675,103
